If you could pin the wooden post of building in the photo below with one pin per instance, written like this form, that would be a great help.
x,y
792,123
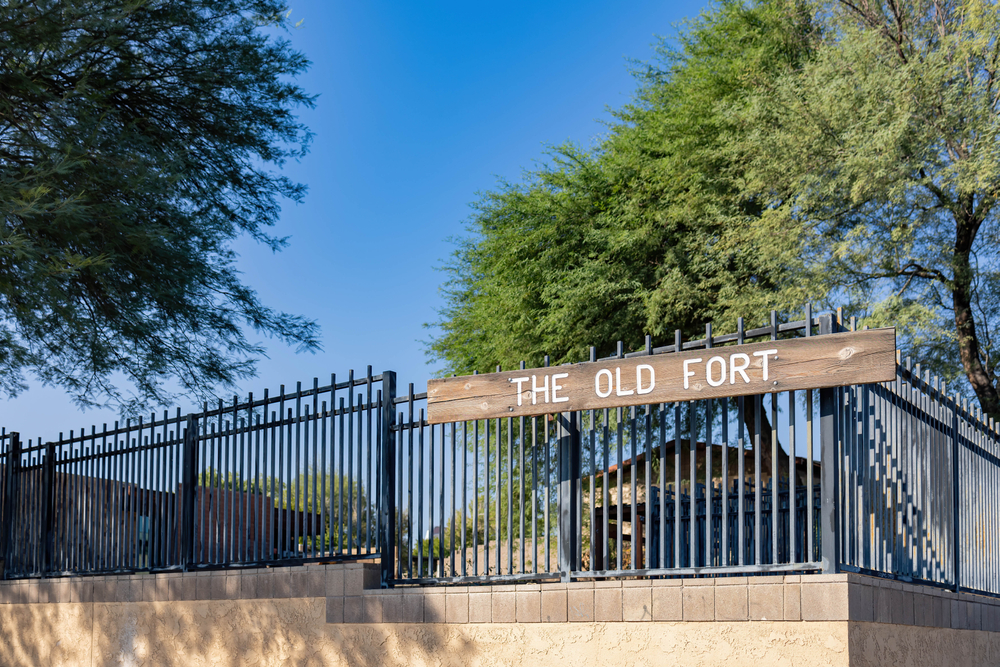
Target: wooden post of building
x,y
11,466
829,413
387,463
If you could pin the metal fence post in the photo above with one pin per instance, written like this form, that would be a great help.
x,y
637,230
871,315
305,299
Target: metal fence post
x,y
956,496
387,518
48,507
9,498
829,412
569,479
188,483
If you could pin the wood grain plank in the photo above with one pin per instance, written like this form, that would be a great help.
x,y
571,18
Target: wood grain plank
x,y
817,362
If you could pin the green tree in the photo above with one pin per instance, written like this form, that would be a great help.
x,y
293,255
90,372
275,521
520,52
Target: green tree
x,y
632,237
881,153
138,139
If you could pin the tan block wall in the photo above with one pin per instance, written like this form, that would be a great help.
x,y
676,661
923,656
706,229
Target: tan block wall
x,y
293,631
335,615
879,644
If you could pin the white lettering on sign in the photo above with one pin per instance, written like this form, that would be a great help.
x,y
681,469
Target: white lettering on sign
x,y
715,372
738,363
764,356
639,389
556,387
618,384
519,382
597,383
721,363
535,389
741,368
689,373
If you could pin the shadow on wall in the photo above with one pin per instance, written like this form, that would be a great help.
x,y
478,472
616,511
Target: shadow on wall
x,y
221,633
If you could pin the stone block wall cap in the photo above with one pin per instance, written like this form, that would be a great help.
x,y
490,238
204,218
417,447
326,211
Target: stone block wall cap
x,y
699,582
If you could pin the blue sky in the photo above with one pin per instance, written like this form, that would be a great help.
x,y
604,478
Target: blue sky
x,y
420,107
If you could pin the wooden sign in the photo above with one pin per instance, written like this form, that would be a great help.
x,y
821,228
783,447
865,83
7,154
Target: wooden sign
x,y
835,360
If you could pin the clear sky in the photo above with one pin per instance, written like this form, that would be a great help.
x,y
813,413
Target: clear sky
x,y
421,105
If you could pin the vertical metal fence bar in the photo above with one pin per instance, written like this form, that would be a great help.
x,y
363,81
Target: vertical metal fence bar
x,y
828,406
486,497
343,475
409,485
708,478
663,486
430,503
359,480
956,499
692,484
758,535
260,468
548,487
372,495
387,544
475,499
498,493
420,494
724,555
441,520
454,497
520,478
633,492
605,491
465,489
534,494
648,518
592,438
809,454
510,497
619,477
677,560
792,505
775,459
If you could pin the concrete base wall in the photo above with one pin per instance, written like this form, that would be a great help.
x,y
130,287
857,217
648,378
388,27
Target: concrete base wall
x,y
294,632
331,615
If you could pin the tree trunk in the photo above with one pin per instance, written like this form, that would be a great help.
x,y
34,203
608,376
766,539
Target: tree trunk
x,y
965,324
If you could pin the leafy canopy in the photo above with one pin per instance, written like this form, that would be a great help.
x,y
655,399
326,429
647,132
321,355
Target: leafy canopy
x,y
783,151
634,236
138,138
882,154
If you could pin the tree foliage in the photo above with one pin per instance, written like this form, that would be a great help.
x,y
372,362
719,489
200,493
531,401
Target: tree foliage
x,y
632,237
882,153
837,151
138,139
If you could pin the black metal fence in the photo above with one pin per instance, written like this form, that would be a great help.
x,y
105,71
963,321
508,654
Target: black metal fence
x,y
285,479
920,484
611,492
896,479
